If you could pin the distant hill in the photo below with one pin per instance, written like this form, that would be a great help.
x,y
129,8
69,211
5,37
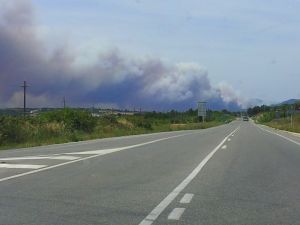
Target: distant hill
x,y
289,102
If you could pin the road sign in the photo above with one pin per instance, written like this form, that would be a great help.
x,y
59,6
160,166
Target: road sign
x,y
202,110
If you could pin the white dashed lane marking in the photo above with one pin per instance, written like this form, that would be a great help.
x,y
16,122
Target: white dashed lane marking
x,y
176,214
224,146
154,214
187,198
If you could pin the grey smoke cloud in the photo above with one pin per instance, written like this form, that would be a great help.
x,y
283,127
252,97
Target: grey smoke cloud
x,y
114,79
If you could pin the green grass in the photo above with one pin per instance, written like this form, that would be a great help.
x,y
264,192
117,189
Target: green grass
x,y
73,125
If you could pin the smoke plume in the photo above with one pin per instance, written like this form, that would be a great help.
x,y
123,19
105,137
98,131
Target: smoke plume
x,y
115,79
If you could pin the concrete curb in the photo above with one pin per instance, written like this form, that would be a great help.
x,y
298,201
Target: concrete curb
x,y
292,133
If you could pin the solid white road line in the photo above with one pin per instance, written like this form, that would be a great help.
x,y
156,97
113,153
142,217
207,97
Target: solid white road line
x,y
107,151
87,142
271,132
154,214
224,146
176,214
85,158
187,198
62,157
21,166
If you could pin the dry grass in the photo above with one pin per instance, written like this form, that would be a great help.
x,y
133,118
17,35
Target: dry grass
x,y
125,123
285,124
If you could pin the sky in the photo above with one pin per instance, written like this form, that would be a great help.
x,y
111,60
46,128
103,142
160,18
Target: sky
x,y
149,53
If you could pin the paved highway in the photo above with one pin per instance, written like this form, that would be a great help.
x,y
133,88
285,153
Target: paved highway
x,y
239,173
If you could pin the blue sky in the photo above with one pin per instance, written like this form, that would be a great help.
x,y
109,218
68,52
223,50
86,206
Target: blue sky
x,y
252,45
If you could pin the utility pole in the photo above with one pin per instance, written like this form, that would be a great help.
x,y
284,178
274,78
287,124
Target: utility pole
x,y
64,101
292,110
24,86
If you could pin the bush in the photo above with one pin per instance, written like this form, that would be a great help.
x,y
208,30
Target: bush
x,y
141,122
266,117
63,124
72,119
145,124
109,119
14,130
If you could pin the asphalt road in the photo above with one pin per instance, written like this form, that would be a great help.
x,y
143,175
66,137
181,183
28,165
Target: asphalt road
x,y
238,173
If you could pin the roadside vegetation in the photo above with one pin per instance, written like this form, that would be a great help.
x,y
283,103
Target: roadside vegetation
x,y
283,117
285,124
68,125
